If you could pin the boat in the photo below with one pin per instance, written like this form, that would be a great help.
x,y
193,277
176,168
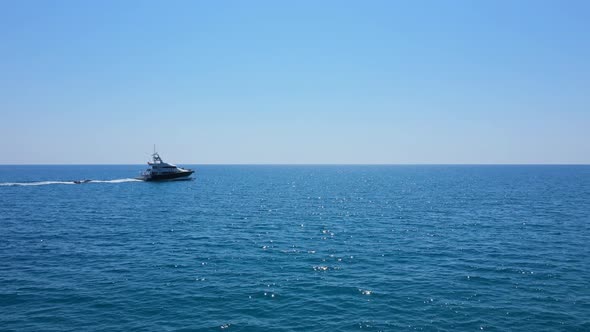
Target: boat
x,y
161,171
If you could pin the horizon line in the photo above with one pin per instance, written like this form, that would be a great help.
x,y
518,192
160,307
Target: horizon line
x,y
310,164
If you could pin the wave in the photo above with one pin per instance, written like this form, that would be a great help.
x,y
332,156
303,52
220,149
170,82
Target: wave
x,y
44,183
116,180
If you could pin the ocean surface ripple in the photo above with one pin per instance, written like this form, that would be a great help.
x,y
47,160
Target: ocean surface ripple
x,y
296,248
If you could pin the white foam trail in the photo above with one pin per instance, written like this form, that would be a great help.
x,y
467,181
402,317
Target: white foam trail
x,y
116,180
40,183
44,183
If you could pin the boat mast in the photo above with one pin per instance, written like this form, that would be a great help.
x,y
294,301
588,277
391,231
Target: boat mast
x,y
156,156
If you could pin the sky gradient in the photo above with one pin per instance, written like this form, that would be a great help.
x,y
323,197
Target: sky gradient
x,y
295,82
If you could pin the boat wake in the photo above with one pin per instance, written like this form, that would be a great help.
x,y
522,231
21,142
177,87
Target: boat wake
x,y
44,183
116,180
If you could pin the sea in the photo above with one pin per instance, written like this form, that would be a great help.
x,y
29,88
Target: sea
x,y
296,248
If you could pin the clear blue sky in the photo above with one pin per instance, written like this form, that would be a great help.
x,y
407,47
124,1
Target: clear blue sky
x,y
295,81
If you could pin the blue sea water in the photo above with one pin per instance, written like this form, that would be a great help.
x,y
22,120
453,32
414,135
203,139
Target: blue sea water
x,y
296,248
